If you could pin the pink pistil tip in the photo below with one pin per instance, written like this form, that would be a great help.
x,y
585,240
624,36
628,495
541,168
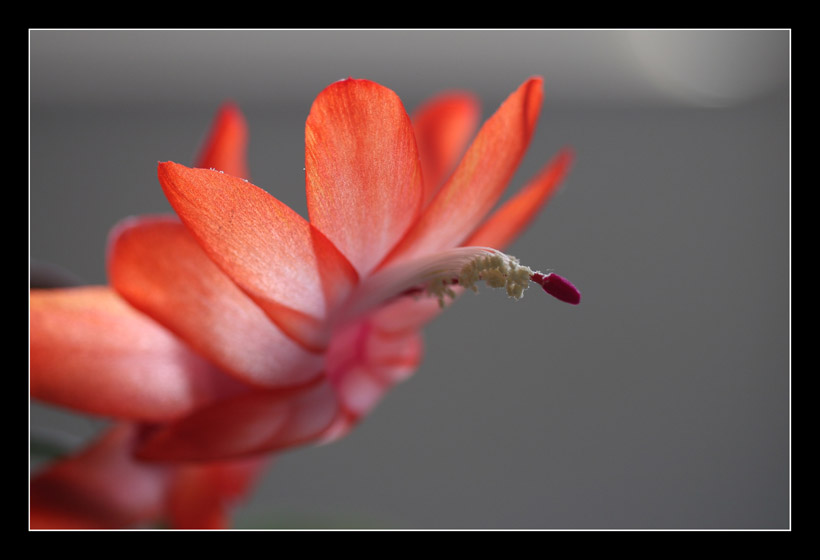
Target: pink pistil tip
x,y
558,287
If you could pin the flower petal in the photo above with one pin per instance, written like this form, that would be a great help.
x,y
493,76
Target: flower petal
x,y
407,314
253,423
155,264
93,352
480,178
443,127
364,362
201,493
102,487
364,183
280,260
506,223
226,146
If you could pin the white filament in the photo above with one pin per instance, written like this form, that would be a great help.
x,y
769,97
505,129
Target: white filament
x,y
437,274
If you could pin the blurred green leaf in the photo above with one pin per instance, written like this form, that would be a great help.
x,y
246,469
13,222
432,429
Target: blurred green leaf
x,y
44,448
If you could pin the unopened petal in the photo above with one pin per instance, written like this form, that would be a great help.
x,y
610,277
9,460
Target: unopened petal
x,y
155,263
364,183
92,352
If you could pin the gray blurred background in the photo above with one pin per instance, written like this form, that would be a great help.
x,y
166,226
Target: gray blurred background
x,y
662,401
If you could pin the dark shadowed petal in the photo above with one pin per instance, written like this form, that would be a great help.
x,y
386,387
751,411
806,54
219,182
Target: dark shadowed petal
x,y
102,487
201,494
249,424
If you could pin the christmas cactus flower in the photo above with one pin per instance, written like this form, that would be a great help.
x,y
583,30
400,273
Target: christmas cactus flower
x,y
239,328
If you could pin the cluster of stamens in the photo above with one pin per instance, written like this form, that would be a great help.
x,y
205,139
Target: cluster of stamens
x,y
498,270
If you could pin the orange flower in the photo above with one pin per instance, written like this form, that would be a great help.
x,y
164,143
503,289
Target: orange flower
x,y
311,320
